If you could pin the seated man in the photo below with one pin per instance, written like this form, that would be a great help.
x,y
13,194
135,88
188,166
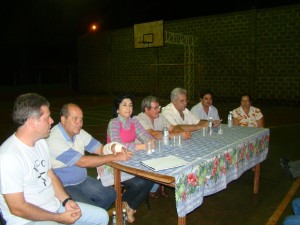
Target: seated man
x,y
153,122
68,143
30,191
204,109
177,113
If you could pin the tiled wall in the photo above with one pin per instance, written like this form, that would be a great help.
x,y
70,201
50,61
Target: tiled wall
x,y
256,51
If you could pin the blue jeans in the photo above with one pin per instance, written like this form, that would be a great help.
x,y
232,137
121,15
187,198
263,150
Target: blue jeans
x,y
294,219
136,191
91,191
91,215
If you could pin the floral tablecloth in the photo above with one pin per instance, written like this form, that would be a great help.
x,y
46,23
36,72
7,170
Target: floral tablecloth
x,y
215,160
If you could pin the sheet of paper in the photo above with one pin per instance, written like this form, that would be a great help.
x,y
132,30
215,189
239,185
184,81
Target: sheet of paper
x,y
164,163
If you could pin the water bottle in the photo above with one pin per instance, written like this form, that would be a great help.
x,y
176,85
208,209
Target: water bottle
x,y
230,118
114,218
210,122
124,216
165,134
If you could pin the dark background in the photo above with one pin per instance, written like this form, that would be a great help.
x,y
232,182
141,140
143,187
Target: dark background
x,y
41,35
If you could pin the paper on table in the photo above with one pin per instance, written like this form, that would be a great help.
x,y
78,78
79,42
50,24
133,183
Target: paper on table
x,y
164,163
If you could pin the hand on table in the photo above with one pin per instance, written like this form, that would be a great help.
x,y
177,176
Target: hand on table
x,y
217,123
186,135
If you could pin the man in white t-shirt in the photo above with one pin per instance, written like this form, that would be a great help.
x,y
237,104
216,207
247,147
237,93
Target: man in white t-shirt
x,y
177,113
30,191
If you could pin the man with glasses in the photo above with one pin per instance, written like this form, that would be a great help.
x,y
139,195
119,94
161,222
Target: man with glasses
x,y
153,122
177,113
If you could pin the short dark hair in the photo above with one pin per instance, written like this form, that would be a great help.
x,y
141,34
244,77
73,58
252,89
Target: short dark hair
x,y
248,95
28,105
146,103
118,101
205,92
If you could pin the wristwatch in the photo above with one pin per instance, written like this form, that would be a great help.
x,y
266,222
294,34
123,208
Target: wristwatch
x,y
65,201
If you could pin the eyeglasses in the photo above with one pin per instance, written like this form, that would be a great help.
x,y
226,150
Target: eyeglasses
x,y
156,107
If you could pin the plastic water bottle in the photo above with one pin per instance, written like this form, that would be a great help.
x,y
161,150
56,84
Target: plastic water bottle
x,y
210,122
230,118
114,218
165,134
124,216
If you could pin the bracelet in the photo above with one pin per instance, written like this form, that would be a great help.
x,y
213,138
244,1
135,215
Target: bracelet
x,y
65,201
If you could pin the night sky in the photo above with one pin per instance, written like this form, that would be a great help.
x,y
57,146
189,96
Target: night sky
x,y
43,32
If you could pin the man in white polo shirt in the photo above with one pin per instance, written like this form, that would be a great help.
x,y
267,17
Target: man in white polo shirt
x,y
177,113
153,122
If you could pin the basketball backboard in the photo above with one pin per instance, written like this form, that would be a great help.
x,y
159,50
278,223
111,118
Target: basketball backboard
x,y
148,35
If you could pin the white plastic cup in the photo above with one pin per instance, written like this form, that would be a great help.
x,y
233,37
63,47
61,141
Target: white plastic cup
x,y
220,130
158,145
174,141
179,140
204,131
149,148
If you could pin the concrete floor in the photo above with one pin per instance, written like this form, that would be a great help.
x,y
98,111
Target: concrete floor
x,y
236,205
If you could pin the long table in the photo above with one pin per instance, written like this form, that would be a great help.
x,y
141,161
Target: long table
x,y
214,161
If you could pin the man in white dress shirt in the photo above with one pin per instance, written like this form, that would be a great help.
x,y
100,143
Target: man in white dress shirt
x,y
177,113
204,109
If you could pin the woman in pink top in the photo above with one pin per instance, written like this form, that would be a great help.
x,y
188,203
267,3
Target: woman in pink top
x,y
247,115
125,129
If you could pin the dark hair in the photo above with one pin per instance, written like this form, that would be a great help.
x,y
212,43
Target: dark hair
x,y
118,101
146,103
28,105
205,92
249,96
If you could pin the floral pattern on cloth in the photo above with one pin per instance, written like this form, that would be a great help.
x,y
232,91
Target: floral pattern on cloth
x,y
214,175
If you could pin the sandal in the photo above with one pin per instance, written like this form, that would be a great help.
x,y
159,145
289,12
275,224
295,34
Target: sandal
x,y
130,212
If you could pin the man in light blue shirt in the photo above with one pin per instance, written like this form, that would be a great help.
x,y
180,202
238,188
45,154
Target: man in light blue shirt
x,y
68,143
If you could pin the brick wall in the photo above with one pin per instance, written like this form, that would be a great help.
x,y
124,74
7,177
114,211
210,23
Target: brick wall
x,y
254,51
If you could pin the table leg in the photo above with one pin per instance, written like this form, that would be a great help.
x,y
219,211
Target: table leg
x,y
182,220
118,202
256,178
